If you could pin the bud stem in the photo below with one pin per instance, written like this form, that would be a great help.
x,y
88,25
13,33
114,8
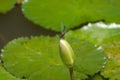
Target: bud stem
x,y
71,73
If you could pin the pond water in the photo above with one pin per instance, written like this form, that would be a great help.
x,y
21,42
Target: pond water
x,y
13,24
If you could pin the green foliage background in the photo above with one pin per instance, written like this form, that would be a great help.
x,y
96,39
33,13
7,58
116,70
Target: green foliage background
x,y
96,46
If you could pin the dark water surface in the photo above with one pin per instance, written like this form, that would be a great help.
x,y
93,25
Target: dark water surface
x,y
13,24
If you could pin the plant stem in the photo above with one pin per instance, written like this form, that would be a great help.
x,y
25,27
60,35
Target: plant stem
x,y
71,73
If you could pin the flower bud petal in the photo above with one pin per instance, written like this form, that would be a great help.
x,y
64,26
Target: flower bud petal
x,y
66,53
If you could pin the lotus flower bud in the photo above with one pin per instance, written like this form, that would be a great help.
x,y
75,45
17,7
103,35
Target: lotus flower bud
x,y
66,53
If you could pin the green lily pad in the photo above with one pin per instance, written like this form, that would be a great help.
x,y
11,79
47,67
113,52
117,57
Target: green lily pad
x,y
51,14
25,57
96,33
88,58
112,68
79,75
112,48
51,73
38,57
112,45
6,5
108,37
4,75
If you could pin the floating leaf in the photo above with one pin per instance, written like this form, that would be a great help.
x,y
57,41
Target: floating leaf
x,y
108,37
51,73
79,75
112,45
38,57
112,68
52,14
112,48
6,5
88,58
4,75
71,13
25,57
96,33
